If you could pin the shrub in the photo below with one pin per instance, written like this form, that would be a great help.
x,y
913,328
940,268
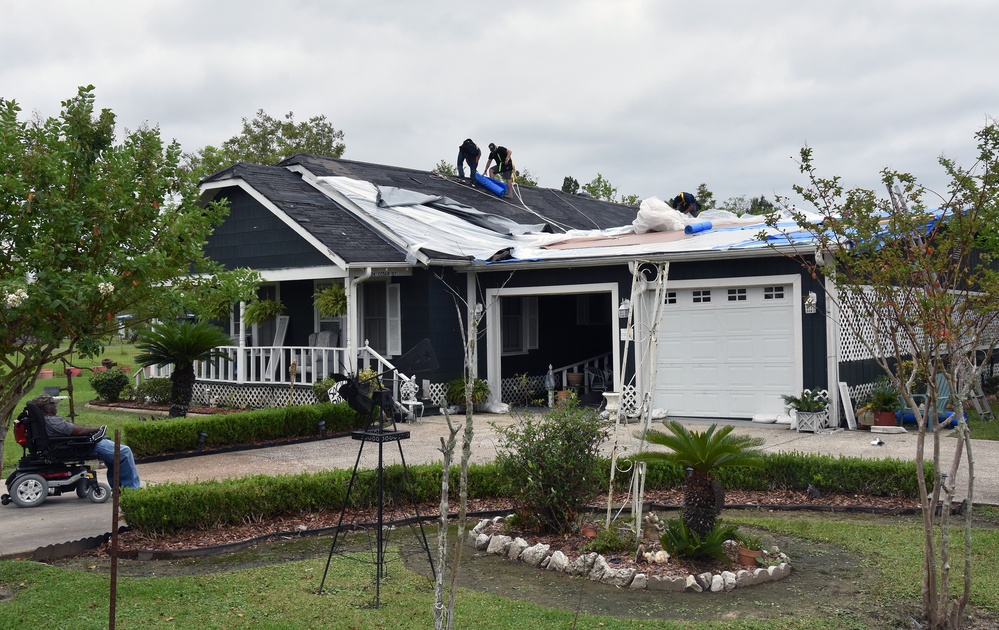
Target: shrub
x,y
108,384
456,391
322,389
552,465
155,391
610,541
681,541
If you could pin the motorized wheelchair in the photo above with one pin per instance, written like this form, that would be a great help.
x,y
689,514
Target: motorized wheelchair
x,y
52,465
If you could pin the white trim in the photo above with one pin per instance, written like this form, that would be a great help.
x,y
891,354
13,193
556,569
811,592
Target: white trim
x,y
280,214
494,346
393,319
302,273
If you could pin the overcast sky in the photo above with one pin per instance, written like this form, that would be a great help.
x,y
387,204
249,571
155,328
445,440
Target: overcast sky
x,y
658,96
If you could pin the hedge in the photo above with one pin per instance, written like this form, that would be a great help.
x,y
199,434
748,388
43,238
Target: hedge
x,y
173,435
170,508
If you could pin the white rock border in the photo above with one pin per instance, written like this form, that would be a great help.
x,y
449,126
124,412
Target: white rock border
x,y
596,568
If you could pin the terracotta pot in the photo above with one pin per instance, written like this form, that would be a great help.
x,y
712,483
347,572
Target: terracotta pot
x,y
127,369
575,379
748,556
99,368
589,531
885,419
74,372
44,374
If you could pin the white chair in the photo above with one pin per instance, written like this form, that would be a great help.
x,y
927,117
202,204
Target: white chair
x,y
408,390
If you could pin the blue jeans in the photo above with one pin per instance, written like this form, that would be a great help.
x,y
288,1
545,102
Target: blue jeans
x,y
128,476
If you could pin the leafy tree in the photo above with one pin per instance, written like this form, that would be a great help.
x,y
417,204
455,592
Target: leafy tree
x,y
90,228
631,200
705,197
737,205
703,453
570,185
181,344
760,205
444,168
526,178
268,140
600,188
917,289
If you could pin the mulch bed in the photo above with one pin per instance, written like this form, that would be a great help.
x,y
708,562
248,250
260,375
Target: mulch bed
x,y
131,542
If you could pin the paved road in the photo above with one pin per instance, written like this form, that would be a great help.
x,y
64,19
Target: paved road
x,y
67,518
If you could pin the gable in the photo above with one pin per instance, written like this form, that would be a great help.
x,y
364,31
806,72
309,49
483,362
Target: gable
x,y
252,236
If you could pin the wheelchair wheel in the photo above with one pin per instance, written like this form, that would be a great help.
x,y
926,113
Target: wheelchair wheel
x,y
100,494
81,488
29,491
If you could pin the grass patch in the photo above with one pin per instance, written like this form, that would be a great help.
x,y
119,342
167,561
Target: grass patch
x,y
283,594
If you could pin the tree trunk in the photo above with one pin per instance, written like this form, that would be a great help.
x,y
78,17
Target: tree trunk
x,y
700,503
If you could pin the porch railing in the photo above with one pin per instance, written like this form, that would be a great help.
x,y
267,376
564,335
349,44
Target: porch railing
x,y
265,365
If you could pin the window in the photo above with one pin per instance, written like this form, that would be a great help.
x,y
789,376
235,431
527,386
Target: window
x,y
671,297
736,295
519,324
773,293
382,326
701,296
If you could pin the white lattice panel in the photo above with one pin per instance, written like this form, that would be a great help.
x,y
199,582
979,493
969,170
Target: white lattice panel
x,y
249,396
512,390
438,393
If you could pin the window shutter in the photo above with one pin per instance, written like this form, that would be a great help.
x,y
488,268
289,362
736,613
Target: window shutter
x,y
531,321
394,320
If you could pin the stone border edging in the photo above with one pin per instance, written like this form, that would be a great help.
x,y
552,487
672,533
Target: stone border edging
x,y
595,567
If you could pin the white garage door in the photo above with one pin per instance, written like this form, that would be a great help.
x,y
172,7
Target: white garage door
x,y
727,352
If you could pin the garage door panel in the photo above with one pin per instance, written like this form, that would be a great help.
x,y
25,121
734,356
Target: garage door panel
x,y
727,359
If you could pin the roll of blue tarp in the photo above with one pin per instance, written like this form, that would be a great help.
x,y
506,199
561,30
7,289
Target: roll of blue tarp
x,y
700,226
496,187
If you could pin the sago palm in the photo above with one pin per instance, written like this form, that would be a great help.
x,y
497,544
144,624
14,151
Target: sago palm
x,y
703,453
181,343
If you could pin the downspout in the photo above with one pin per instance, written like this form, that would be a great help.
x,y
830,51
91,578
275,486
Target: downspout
x,y
353,330
470,302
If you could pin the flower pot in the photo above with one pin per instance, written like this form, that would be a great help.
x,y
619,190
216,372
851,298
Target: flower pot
x,y
575,379
812,420
885,419
127,369
563,395
749,556
99,368
74,372
44,374
588,531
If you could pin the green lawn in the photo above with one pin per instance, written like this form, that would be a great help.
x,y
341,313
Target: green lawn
x,y
282,594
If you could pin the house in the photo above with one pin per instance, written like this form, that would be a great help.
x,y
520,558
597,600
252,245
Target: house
x,y
741,323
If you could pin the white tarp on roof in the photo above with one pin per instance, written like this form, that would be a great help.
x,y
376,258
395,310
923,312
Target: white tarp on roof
x,y
459,230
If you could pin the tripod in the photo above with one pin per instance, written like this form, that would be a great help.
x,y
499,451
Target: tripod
x,y
380,430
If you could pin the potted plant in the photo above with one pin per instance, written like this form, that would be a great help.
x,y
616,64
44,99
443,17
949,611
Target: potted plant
x,y
811,408
262,310
883,403
331,301
750,548
456,392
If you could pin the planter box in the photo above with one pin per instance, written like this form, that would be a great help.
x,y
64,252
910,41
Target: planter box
x,y
74,372
44,374
99,368
812,420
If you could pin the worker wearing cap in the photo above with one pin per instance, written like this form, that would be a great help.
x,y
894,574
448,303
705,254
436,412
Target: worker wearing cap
x,y
685,203
56,425
504,164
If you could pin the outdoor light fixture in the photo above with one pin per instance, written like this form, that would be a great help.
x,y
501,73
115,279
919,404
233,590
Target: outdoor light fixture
x,y
689,471
202,436
622,310
321,426
811,302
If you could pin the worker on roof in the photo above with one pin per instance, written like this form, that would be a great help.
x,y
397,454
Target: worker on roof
x,y
468,153
685,203
504,164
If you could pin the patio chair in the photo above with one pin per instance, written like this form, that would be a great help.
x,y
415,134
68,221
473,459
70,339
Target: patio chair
x,y
906,415
597,380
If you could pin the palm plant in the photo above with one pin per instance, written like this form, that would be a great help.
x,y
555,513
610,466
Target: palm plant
x,y
702,453
181,343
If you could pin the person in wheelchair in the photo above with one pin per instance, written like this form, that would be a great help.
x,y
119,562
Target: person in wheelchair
x,y
103,450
